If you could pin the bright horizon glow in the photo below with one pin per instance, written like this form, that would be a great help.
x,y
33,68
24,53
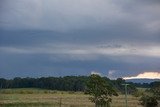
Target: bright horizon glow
x,y
145,75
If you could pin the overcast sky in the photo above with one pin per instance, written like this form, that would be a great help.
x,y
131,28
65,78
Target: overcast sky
x,y
116,38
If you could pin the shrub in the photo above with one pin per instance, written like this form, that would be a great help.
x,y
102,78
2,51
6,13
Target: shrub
x,y
149,101
71,92
53,92
138,94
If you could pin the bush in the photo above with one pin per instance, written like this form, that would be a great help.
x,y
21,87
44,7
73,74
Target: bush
x,y
53,92
149,101
71,92
138,94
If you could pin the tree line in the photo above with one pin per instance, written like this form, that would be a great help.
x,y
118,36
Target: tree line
x,y
66,83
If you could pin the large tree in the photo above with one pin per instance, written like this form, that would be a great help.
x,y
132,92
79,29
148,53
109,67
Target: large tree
x,y
100,91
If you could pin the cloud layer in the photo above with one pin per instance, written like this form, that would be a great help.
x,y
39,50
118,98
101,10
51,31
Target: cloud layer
x,y
151,75
59,37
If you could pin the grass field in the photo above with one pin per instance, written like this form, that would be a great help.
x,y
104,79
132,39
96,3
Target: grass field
x,y
49,98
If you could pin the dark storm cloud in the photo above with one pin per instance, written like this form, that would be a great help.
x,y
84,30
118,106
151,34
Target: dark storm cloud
x,y
59,65
56,38
69,15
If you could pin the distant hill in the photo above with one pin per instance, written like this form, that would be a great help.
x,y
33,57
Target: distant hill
x,y
142,80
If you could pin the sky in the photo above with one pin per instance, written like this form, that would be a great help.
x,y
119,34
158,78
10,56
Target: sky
x,y
114,38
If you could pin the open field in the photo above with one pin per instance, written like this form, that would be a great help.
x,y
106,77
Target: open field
x,y
49,98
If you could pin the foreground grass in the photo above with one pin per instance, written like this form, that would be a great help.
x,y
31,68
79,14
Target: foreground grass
x,y
48,98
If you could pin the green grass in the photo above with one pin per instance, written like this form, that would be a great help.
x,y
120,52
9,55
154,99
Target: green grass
x,y
26,91
32,97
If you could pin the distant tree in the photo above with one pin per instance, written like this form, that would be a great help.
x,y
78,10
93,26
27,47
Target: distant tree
x,y
118,84
100,91
131,89
2,83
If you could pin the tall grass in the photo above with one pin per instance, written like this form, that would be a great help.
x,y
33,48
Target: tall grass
x,y
37,104
50,98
